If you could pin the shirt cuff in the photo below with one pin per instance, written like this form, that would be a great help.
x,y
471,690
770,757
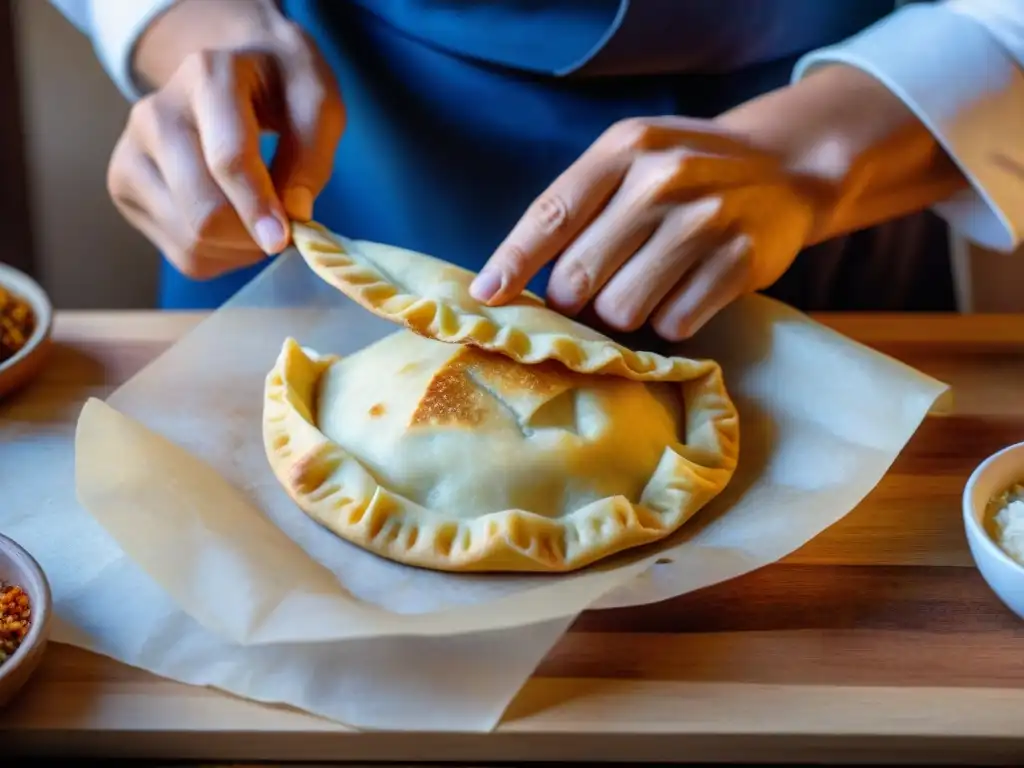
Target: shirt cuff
x,y
116,26
968,91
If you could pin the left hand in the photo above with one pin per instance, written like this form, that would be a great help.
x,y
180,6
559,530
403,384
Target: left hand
x,y
662,220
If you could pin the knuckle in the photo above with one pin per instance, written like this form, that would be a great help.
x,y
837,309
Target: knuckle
x,y
151,119
189,265
674,329
633,133
683,161
688,223
227,160
737,258
622,318
742,249
204,64
142,114
574,282
292,41
658,175
118,170
708,209
647,186
515,259
679,169
309,105
551,213
193,264
649,180
332,106
199,222
332,115
314,92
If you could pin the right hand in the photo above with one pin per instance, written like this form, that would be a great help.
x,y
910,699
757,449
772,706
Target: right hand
x,y
187,170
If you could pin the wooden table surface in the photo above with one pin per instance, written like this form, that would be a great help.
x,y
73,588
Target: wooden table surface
x,y
878,640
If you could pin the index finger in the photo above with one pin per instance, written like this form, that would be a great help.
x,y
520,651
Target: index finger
x,y
229,131
314,122
551,222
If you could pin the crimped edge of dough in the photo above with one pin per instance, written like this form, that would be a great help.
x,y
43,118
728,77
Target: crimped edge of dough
x,y
343,266
332,487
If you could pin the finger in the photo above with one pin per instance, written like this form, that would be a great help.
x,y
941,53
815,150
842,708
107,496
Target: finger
x,y
205,261
654,181
687,235
159,221
224,115
604,246
140,193
715,282
561,212
201,209
314,123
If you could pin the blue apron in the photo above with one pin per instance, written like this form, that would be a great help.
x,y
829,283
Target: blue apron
x,y
458,119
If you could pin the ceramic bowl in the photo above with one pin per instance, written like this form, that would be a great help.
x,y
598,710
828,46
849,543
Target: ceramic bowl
x,y
19,369
992,477
19,567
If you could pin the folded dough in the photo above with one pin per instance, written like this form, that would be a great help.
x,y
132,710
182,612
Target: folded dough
x,y
536,444
431,297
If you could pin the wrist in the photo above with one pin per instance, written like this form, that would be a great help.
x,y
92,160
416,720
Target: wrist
x,y
853,146
191,26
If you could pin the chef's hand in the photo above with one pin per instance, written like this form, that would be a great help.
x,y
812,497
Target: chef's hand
x,y
662,220
666,220
187,170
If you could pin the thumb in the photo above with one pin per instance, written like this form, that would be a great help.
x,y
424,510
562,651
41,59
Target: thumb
x,y
314,119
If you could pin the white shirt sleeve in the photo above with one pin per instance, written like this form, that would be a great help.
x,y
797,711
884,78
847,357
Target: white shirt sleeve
x,y
114,27
959,65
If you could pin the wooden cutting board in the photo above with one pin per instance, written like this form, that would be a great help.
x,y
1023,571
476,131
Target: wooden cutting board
x,y
878,640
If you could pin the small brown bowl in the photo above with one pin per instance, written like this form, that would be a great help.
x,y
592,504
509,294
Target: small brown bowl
x,y
18,567
18,370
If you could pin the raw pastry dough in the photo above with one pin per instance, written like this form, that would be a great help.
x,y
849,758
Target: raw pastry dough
x,y
432,297
540,446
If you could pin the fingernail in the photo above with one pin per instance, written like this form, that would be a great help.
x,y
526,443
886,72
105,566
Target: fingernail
x,y
486,285
269,234
298,201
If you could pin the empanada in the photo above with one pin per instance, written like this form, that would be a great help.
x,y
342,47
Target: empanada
x,y
540,446
455,458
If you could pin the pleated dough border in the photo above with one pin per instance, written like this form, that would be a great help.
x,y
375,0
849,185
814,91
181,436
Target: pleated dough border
x,y
335,489
343,265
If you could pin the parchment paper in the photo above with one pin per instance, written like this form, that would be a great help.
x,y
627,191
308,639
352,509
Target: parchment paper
x,y
224,582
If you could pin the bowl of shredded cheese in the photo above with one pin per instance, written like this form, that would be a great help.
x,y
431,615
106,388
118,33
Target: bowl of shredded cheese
x,y
25,607
993,508
26,320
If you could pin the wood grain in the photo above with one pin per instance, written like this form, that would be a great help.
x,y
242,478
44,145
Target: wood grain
x,y
877,640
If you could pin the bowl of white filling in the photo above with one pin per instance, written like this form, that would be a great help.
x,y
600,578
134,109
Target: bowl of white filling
x,y
994,521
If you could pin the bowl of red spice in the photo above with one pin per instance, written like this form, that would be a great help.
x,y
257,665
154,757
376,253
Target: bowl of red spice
x,y
25,608
26,321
